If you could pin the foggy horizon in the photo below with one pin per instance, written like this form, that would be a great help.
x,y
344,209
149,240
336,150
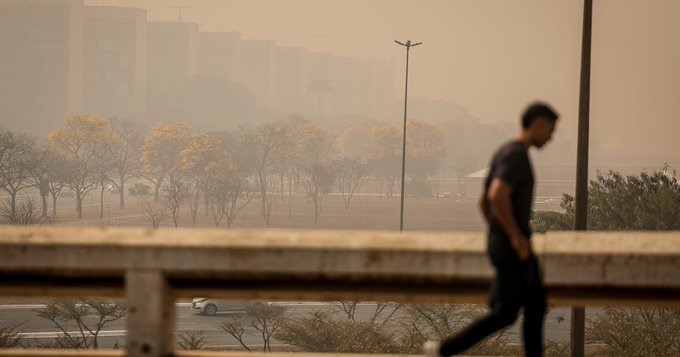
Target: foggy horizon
x,y
488,58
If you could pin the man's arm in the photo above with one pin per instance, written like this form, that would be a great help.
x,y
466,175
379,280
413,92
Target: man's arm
x,y
498,196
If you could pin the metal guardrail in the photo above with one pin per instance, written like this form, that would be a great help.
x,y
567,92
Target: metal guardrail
x,y
152,268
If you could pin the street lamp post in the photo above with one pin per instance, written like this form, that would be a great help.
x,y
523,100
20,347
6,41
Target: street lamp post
x,y
408,46
578,313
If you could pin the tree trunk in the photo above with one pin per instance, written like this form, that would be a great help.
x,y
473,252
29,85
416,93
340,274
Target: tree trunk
x,y
79,205
44,205
206,201
101,202
54,204
13,203
121,193
281,182
157,190
263,198
290,197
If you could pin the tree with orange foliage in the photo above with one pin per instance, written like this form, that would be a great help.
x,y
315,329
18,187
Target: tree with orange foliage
x,y
84,142
385,155
161,153
424,151
203,151
355,141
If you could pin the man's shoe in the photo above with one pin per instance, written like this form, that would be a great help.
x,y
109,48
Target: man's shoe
x,y
431,349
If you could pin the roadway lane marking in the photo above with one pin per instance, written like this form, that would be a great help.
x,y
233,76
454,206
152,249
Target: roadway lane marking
x,y
42,306
26,306
109,333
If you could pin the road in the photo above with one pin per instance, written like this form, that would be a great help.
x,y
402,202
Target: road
x,y
39,330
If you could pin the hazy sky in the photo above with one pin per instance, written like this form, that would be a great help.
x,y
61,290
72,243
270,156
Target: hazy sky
x,y
492,57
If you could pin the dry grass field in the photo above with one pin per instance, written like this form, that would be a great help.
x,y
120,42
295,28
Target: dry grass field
x,y
365,212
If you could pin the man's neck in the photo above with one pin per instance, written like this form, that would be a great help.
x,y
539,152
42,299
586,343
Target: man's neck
x,y
525,139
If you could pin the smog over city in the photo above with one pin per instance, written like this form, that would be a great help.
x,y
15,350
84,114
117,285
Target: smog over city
x,y
353,115
299,105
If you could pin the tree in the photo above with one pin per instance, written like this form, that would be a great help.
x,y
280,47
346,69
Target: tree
x,y
317,181
161,152
15,152
48,173
60,174
154,216
424,151
84,142
355,141
65,313
174,193
255,153
636,332
543,221
22,214
319,332
140,191
265,319
424,147
229,193
314,142
385,157
648,201
386,310
9,334
202,152
436,322
192,340
127,155
350,174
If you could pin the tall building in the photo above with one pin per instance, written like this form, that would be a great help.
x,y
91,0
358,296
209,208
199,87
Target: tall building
x,y
290,80
344,74
172,63
41,63
219,55
115,62
363,83
258,70
320,83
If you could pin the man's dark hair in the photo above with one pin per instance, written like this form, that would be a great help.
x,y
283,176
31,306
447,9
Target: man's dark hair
x,y
538,110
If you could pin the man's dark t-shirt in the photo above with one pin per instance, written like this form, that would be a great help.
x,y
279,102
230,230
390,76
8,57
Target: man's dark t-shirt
x,y
511,164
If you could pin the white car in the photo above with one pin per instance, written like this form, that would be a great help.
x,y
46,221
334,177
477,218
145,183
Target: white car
x,y
208,306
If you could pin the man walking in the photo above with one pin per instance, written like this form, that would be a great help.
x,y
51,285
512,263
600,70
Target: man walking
x,y
506,205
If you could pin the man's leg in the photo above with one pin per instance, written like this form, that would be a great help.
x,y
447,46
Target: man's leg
x,y
492,322
505,303
534,312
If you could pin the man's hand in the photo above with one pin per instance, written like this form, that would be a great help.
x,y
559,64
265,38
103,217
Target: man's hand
x,y
521,246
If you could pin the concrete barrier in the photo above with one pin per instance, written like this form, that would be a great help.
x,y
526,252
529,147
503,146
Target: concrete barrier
x,y
152,268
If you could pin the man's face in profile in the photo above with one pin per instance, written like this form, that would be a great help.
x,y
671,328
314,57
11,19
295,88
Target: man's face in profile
x,y
543,131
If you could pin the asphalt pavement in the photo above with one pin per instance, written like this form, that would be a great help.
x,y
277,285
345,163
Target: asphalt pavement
x,y
40,330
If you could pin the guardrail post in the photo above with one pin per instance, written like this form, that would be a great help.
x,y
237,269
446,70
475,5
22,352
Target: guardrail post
x,y
151,314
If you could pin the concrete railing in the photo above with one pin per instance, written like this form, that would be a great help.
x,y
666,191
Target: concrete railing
x,y
152,268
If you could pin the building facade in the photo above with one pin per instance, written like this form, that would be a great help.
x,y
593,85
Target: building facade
x,y
41,63
115,62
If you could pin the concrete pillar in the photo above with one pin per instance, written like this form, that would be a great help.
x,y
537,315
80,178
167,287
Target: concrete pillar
x,y
151,314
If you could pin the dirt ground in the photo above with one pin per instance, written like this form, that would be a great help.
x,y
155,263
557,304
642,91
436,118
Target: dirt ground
x,y
365,212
